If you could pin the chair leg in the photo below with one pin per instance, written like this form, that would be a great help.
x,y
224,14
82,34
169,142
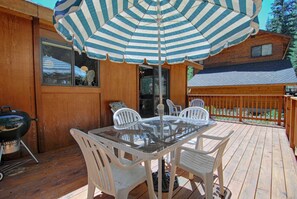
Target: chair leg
x,y
221,179
199,144
150,187
208,181
191,176
172,176
91,190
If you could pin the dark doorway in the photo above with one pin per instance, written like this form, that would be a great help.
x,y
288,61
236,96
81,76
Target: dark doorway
x,y
149,89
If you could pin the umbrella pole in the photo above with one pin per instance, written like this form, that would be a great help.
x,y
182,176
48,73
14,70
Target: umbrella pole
x,y
160,106
161,178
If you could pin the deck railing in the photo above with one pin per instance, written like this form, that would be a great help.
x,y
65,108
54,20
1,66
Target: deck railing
x,y
291,120
250,108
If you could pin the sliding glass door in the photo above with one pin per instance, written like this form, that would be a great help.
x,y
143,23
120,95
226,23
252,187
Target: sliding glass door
x,y
149,89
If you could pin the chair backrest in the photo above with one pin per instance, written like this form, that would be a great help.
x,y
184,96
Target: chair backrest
x,y
98,157
125,118
114,106
197,102
170,107
195,112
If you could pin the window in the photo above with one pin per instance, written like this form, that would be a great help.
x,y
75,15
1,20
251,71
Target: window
x,y
263,50
62,66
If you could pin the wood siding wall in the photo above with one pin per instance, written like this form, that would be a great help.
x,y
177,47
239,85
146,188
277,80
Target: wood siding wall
x,y
119,82
61,108
16,69
253,89
178,84
66,108
228,57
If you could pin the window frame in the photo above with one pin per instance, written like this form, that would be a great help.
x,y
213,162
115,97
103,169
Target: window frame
x,y
67,45
261,46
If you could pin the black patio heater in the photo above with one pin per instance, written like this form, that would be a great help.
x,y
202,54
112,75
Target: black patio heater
x,y
13,125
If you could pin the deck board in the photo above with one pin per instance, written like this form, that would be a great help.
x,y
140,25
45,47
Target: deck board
x,y
257,163
264,180
242,168
278,181
251,180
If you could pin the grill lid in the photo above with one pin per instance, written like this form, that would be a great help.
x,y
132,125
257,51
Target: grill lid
x,y
13,124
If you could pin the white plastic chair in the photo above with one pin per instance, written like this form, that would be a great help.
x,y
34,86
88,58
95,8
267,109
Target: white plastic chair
x,y
197,114
125,118
201,163
197,102
173,109
112,175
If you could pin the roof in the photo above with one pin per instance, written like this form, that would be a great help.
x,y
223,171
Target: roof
x,y
271,72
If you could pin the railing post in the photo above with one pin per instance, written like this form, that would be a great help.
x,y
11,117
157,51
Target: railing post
x,y
280,106
293,126
210,105
240,108
288,115
285,110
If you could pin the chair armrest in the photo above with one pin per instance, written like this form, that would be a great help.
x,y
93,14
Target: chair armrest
x,y
215,137
195,150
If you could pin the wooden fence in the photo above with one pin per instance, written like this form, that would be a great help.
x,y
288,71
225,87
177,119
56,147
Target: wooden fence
x,y
251,108
274,109
291,120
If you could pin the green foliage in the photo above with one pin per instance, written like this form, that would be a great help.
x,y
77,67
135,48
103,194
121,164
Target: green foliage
x,y
190,72
284,21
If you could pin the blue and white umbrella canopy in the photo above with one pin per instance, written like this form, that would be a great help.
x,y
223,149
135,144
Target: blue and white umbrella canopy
x,y
127,30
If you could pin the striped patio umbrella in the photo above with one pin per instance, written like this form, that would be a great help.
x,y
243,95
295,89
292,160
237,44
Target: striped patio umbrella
x,y
155,31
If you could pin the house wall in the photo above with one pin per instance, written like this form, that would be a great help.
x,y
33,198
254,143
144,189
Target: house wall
x,y
16,69
118,83
228,57
240,90
178,84
59,108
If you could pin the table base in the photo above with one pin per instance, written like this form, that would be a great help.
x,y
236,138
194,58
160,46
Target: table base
x,y
165,181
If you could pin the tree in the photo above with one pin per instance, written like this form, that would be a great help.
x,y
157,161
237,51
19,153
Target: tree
x,y
284,21
190,72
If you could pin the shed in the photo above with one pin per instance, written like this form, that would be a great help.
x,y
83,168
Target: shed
x,y
268,77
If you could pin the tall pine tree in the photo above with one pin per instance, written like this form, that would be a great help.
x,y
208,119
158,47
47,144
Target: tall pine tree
x,y
284,21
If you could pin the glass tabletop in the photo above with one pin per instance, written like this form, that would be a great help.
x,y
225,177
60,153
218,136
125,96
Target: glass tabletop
x,y
145,135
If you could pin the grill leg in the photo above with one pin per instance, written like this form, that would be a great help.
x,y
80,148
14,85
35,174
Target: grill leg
x,y
1,151
29,151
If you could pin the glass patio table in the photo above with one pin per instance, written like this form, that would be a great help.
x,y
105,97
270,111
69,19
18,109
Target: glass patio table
x,y
144,140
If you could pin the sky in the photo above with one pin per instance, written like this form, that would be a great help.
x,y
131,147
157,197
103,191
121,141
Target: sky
x,y
263,16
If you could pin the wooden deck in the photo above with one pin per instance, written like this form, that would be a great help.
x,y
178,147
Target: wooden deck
x,y
258,163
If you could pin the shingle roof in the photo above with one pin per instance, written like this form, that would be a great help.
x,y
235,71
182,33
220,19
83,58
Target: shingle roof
x,y
271,72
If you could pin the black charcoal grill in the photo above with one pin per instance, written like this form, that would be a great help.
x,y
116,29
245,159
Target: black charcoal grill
x,y
13,125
